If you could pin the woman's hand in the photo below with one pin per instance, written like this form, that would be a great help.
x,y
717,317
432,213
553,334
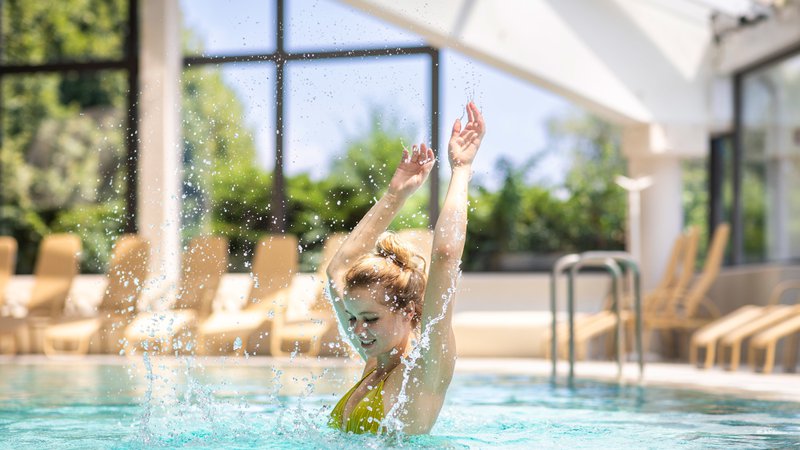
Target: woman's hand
x,y
412,171
464,143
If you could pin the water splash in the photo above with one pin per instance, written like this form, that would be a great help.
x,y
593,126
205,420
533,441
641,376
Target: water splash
x,y
144,421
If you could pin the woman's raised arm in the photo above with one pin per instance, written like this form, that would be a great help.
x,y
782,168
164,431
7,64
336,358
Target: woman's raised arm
x,y
438,352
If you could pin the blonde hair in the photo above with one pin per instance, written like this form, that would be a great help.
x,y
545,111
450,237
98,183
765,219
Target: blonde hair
x,y
396,268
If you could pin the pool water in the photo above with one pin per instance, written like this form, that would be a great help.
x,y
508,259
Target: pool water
x,y
186,404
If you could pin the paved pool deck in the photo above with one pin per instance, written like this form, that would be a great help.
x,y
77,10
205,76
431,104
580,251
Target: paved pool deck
x,y
742,383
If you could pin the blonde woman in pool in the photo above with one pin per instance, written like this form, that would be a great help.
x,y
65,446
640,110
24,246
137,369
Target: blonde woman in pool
x,y
383,296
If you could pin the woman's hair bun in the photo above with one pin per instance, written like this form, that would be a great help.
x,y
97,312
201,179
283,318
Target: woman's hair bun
x,y
390,246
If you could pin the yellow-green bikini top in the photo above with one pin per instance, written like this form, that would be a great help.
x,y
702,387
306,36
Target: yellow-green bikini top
x,y
367,414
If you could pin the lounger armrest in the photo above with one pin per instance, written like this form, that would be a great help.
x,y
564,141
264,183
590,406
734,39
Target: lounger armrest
x,y
782,288
657,299
710,307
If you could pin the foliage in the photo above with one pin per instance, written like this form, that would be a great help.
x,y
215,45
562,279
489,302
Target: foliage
x,y
93,223
586,213
75,30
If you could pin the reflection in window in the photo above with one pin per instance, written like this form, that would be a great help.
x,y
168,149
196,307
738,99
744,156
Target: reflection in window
x,y
771,162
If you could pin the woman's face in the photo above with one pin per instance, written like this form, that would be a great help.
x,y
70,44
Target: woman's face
x,y
374,326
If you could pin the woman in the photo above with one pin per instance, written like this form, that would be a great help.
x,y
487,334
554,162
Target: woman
x,y
381,294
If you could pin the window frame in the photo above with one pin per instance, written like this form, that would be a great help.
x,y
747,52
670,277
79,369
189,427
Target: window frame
x,y
281,57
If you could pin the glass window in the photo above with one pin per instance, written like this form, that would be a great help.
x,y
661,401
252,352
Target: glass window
x,y
342,144
511,103
534,198
314,25
771,162
229,141
720,187
43,32
228,27
63,161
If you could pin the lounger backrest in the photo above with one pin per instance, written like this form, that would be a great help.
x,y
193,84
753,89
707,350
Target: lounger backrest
x,y
671,272
686,272
274,266
716,253
332,244
421,240
204,262
659,297
8,261
56,267
126,274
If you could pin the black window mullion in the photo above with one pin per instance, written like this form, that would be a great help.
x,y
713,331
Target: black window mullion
x,y
716,180
278,182
737,231
433,202
132,135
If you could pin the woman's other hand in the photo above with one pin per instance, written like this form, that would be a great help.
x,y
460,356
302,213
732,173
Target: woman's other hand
x,y
413,170
464,143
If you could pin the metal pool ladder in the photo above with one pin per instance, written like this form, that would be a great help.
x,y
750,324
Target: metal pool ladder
x,y
620,265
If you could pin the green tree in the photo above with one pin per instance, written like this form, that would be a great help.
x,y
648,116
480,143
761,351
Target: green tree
x,y
596,205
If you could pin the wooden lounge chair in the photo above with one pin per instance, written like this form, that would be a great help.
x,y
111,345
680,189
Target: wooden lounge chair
x,y
767,340
204,262
319,333
683,311
8,261
274,267
126,274
666,298
731,330
56,267
603,322
707,337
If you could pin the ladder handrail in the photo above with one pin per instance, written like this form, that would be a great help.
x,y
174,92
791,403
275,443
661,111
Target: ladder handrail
x,y
618,264
630,263
616,273
563,263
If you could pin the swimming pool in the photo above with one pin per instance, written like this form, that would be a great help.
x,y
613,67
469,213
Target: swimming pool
x,y
189,404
